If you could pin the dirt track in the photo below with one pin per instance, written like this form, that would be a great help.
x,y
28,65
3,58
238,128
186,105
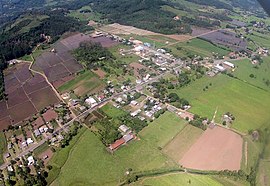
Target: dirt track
x,y
216,149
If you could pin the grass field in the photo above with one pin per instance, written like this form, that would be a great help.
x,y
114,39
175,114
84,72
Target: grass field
x,y
249,104
197,47
41,149
112,112
85,16
97,162
245,68
3,146
162,130
182,142
187,179
84,83
260,39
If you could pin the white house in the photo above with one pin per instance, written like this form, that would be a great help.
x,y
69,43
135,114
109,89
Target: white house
x,y
91,102
231,65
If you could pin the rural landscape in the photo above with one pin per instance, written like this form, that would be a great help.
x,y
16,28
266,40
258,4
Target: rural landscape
x,y
141,92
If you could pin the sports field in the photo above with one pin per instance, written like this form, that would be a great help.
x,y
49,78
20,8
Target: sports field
x,y
84,83
249,104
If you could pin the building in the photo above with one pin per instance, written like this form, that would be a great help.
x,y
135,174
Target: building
x,y
123,129
30,160
29,141
37,133
135,113
91,102
134,103
228,64
117,144
128,137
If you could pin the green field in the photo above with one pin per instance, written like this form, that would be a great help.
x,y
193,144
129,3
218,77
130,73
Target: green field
x,y
84,83
245,68
163,129
139,155
187,179
85,16
3,146
262,40
181,143
197,47
249,104
112,112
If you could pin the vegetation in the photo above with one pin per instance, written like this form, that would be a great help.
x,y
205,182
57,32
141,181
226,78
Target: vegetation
x,y
3,146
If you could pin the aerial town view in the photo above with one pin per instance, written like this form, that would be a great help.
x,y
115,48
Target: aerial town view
x,y
134,92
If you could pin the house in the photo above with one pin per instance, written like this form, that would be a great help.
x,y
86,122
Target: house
x,y
134,103
30,160
9,146
37,133
29,141
123,129
91,102
135,113
7,155
10,168
117,144
219,68
23,144
119,100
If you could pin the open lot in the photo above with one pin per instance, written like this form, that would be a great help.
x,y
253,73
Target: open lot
x,y
27,94
84,83
216,149
229,95
182,142
60,66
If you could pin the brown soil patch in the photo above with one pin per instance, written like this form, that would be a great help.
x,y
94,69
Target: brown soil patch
x,y
100,73
179,37
216,149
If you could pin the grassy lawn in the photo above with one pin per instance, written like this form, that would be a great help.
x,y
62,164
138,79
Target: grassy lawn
x,y
182,142
83,84
250,105
260,39
245,68
162,130
3,146
127,59
112,112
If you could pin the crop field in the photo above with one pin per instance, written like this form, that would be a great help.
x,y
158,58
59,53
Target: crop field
x,y
260,39
216,149
27,94
182,142
60,65
84,83
261,73
229,95
226,38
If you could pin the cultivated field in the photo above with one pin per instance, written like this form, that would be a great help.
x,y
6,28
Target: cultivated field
x,y
216,149
84,83
227,39
182,142
27,94
59,66
229,95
